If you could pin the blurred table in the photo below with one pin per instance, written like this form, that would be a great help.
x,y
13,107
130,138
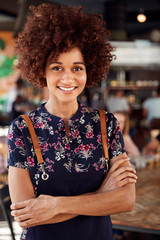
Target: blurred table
x,y
146,215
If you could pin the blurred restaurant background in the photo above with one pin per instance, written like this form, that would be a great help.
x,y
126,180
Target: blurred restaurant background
x,y
132,88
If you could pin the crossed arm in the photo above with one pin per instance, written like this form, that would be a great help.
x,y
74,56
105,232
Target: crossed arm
x,y
116,194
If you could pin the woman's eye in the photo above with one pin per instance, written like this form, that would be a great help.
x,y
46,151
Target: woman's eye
x,y
77,69
56,68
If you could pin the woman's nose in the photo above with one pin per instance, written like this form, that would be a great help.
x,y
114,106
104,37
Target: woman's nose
x,y
67,76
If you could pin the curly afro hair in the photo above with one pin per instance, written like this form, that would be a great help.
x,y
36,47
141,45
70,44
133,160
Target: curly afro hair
x,y
56,29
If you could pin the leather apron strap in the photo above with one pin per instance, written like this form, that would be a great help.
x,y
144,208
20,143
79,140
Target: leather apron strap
x,y
34,139
37,147
104,133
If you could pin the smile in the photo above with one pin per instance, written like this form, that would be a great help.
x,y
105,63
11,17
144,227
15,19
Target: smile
x,y
67,89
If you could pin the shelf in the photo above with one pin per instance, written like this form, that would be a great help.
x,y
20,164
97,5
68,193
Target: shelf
x,y
132,87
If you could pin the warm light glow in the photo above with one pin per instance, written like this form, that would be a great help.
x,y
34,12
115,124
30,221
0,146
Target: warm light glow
x,y
141,18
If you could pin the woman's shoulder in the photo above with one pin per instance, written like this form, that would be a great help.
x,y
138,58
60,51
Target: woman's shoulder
x,y
19,122
94,110
94,113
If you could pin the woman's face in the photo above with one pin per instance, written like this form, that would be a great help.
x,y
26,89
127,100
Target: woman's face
x,y
121,119
66,78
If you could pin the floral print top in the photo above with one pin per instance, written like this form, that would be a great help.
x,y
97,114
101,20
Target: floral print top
x,y
75,165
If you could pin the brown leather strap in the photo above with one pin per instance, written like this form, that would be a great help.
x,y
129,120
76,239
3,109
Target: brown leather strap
x,y
34,138
104,133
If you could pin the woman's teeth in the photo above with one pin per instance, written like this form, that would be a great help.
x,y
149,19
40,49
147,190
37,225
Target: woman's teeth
x,y
66,89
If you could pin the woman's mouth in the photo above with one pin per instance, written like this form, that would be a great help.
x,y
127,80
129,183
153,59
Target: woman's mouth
x,y
67,89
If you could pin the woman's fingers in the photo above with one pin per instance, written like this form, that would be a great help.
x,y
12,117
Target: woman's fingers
x,y
126,175
122,173
33,211
116,177
126,181
124,169
22,218
19,205
119,175
118,163
18,212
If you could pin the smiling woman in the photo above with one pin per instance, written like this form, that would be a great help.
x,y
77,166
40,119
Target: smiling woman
x,y
65,49
66,80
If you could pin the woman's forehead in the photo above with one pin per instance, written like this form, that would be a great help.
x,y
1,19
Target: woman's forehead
x,y
74,53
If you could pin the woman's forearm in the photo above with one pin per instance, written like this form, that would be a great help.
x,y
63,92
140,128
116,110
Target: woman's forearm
x,y
48,209
61,217
107,203
94,204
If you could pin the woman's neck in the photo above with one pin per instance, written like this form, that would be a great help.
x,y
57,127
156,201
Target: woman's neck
x,y
62,110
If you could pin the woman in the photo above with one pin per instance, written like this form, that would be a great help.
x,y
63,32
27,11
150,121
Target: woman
x,y
131,148
65,49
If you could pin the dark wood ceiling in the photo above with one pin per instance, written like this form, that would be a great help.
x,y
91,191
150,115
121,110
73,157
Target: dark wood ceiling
x,y
120,15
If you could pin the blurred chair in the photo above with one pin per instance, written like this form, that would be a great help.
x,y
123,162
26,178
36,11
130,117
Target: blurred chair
x,y
5,203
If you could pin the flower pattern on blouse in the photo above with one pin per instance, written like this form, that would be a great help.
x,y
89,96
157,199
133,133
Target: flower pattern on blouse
x,y
80,153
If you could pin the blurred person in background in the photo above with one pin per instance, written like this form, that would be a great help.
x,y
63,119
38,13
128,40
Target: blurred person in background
x,y
152,147
117,102
19,107
151,107
17,90
123,119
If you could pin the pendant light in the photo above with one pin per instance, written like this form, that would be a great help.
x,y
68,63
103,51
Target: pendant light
x,y
141,17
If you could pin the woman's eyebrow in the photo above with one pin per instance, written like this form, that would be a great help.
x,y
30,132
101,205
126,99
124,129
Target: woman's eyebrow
x,y
73,63
79,63
57,63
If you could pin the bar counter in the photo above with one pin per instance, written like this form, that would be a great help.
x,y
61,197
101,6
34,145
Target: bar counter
x,y
146,215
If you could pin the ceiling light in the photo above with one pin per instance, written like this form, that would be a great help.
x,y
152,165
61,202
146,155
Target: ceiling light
x,y
141,17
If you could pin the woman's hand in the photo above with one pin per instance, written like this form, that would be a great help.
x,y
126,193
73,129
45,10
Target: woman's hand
x,y
118,176
30,212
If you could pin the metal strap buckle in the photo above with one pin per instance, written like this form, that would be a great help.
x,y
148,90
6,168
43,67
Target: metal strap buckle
x,y
107,165
45,175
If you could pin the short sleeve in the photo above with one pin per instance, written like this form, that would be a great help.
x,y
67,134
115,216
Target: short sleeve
x,y
115,137
17,156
